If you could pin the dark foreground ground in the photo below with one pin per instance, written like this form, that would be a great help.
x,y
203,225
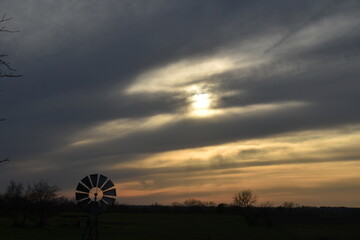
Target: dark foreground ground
x,y
200,226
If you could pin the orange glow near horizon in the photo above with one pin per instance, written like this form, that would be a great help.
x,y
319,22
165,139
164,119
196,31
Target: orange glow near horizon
x,y
310,167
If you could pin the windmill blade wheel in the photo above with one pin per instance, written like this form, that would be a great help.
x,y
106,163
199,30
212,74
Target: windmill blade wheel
x,y
95,193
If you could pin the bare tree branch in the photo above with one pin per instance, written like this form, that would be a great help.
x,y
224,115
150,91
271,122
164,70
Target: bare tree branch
x,y
6,71
3,28
4,19
5,68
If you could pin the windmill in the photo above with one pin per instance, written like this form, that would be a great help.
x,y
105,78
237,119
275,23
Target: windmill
x,y
95,193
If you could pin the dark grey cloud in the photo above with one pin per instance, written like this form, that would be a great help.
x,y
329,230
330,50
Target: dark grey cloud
x,y
78,57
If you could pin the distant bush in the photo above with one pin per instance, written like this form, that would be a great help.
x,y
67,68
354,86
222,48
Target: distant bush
x,y
193,203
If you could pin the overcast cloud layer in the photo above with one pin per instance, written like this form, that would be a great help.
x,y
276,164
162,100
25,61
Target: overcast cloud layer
x,y
114,87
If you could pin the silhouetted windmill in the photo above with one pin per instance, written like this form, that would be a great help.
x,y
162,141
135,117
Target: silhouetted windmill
x,y
95,193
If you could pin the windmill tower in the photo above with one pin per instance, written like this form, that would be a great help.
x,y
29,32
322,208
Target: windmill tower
x,y
95,193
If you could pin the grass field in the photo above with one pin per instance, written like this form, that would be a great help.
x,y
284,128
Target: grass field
x,y
131,226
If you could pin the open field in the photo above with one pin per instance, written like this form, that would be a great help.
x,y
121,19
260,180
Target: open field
x,y
136,226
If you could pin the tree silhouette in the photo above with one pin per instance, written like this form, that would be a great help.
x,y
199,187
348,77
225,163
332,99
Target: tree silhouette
x,y
244,201
5,67
42,197
244,198
6,71
35,203
16,204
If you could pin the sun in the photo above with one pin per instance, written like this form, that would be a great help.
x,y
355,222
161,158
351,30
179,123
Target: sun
x,y
201,104
201,101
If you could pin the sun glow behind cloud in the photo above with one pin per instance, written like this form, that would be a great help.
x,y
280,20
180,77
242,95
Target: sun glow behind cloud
x,y
120,128
190,76
201,102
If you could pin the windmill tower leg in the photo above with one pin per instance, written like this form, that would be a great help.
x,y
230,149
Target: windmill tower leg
x,y
92,228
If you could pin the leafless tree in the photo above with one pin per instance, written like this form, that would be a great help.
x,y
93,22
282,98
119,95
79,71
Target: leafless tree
x,y
244,201
16,204
244,198
6,70
34,203
42,196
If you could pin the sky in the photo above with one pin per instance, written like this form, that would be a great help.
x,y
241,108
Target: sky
x,y
185,99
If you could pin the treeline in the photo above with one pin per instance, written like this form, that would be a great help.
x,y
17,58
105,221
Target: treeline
x,y
265,216
35,203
